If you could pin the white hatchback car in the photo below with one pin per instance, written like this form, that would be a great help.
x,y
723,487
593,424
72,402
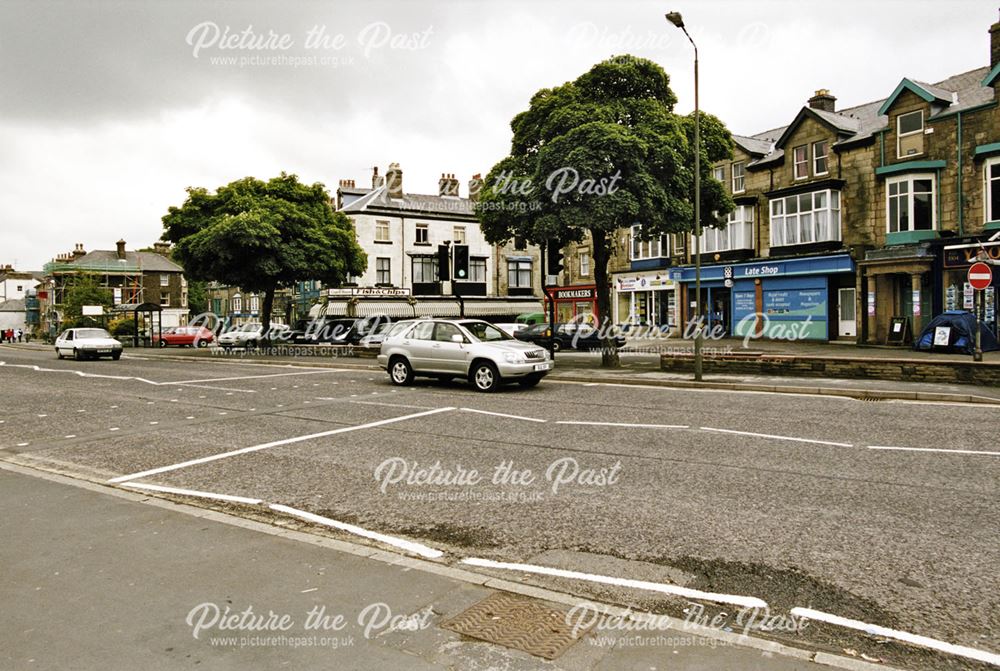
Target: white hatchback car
x,y
469,348
87,343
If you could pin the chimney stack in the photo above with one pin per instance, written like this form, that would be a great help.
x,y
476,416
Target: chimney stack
x,y
394,180
162,248
994,44
376,180
78,251
121,249
347,184
823,101
448,185
475,186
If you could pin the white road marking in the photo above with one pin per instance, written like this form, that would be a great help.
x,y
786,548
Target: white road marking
x,y
389,405
276,443
933,449
402,544
630,426
257,377
502,414
113,428
688,593
23,444
773,437
72,435
193,492
206,386
907,637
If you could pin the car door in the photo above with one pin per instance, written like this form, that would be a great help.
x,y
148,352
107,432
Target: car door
x,y
449,356
64,343
418,344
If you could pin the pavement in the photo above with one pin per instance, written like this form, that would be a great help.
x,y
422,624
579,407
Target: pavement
x,y
884,512
108,582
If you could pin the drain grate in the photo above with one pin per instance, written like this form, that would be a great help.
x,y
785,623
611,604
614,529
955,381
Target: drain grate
x,y
870,399
516,622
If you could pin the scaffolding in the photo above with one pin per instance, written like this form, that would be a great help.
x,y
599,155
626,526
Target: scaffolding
x,y
120,275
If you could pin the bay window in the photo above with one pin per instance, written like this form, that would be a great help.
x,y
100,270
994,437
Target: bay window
x,y
736,234
805,218
991,191
910,203
640,249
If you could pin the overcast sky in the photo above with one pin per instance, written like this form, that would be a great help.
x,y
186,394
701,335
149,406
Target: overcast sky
x,y
108,110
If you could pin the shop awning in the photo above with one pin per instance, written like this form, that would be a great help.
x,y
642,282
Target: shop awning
x,y
437,309
501,308
331,309
393,309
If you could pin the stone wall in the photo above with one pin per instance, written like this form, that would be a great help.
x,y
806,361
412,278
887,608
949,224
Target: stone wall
x,y
891,369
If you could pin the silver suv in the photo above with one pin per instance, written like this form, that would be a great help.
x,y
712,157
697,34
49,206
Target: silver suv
x,y
447,348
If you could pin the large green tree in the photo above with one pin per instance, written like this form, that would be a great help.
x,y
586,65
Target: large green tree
x,y
598,154
262,236
84,289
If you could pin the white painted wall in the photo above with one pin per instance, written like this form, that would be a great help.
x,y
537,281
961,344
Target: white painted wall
x,y
402,235
15,288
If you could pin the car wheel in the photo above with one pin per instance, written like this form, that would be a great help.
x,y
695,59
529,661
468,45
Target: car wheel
x,y
77,354
58,354
400,371
485,377
530,381
556,345
202,343
252,344
163,343
116,356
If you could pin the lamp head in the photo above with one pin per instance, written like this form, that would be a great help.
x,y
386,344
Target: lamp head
x,y
676,19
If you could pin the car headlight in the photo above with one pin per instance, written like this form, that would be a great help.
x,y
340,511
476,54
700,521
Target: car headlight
x,y
511,357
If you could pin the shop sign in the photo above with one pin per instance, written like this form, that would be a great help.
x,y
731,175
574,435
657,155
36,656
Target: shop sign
x,y
968,254
567,294
644,283
916,302
761,270
368,291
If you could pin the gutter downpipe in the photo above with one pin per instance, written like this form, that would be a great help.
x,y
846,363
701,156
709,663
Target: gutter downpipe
x,y
961,193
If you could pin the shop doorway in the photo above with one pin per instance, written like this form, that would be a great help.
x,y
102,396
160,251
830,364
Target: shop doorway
x,y
847,313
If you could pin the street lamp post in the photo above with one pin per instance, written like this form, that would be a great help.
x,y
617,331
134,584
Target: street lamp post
x,y
675,18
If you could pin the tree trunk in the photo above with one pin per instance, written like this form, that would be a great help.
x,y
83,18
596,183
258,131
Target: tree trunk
x,y
265,313
609,350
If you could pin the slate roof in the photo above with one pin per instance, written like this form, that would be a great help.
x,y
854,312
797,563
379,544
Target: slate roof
x,y
861,122
145,261
12,305
411,203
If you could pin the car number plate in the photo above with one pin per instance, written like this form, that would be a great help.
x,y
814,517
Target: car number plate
x,y
104,351
543,366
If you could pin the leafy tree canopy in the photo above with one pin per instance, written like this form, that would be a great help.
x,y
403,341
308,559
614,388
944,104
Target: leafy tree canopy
x,y
600,153
262,236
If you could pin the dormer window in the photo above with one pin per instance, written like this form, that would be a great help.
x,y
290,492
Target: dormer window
x,y
910,134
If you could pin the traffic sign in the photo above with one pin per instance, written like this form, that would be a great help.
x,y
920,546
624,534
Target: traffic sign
x,y
980,276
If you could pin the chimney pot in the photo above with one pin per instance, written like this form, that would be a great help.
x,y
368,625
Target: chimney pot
x,y
121,249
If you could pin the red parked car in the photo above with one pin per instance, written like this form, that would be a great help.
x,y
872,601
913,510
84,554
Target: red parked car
x,y
185,336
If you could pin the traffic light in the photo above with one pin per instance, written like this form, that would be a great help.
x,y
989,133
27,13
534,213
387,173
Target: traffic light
x,y
554,258
461,262
444,264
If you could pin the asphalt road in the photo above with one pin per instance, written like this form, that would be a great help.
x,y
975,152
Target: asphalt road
x,y
635,481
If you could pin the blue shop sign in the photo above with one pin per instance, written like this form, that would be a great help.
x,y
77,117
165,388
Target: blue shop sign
x,y
812,265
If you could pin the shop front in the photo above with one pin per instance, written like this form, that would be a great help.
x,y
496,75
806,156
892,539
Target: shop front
x,y
575,302
647,299
807,298
957,293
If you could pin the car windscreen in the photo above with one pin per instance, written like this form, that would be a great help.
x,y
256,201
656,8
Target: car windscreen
x,y
485,332
92,333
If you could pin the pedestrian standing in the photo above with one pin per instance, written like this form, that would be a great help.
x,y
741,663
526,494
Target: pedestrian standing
x,y
18,333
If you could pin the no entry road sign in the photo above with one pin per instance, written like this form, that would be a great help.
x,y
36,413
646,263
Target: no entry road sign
x,y
980,276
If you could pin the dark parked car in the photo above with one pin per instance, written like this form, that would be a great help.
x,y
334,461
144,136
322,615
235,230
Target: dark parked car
x,y
568,336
